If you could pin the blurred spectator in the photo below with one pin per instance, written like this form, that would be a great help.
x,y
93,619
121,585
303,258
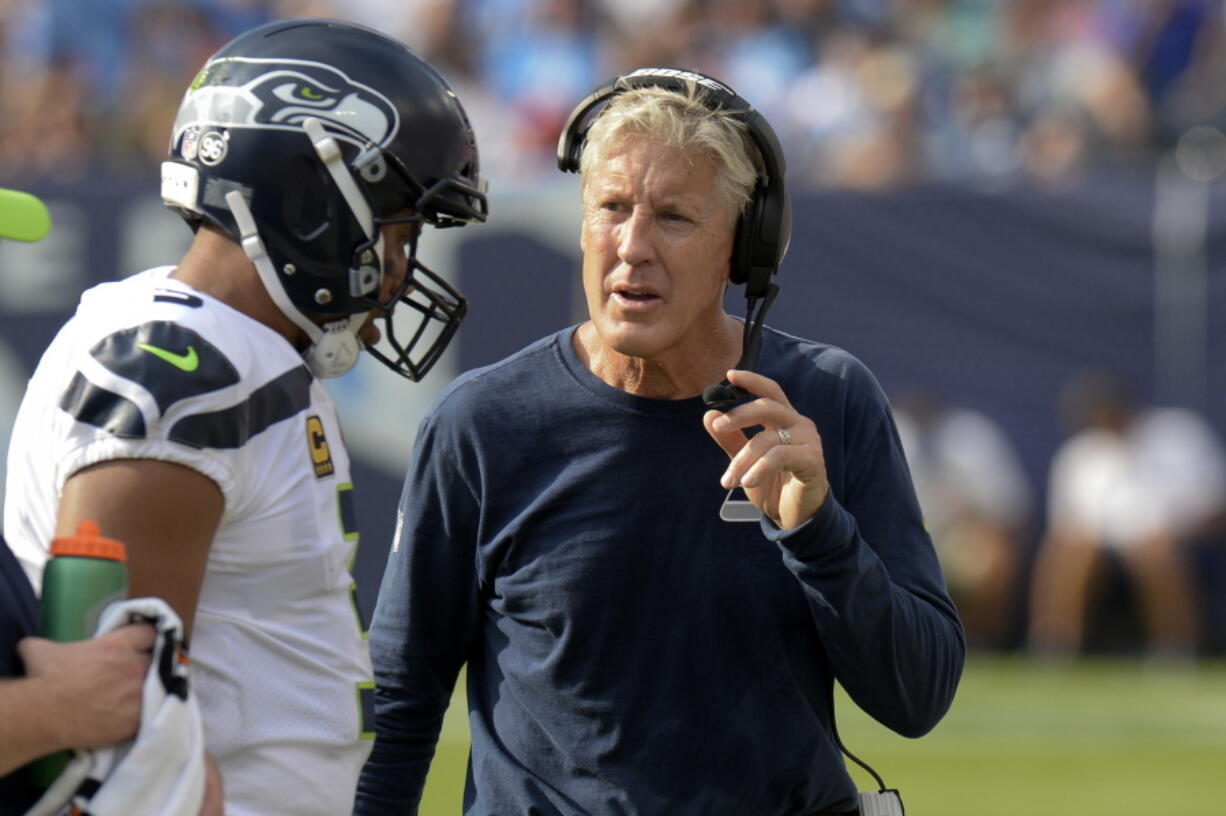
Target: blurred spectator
x,y
976,503
864,93
1138,486
852,116
537,57
169,43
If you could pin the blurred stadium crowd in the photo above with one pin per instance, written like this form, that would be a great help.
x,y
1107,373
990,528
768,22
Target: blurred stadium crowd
x,y
866,94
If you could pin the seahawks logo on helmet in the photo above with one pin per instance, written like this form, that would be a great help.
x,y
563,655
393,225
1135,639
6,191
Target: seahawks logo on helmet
x,y
280,95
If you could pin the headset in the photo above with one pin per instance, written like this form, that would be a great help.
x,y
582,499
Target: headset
x,y
764,228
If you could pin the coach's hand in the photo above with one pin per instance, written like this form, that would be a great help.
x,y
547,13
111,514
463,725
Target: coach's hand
x,y
93,685
782,468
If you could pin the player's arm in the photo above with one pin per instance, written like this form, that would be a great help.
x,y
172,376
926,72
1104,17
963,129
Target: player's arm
x,y
164,513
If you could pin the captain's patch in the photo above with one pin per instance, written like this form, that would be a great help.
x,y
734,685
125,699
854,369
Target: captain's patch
x,y
317,443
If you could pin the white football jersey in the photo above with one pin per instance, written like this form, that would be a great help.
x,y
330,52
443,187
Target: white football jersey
x,y
150,368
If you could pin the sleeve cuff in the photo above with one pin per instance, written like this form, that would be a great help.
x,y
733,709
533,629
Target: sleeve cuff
x,y
828,531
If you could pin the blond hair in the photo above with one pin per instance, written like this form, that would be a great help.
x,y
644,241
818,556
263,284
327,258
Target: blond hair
x,y
683,120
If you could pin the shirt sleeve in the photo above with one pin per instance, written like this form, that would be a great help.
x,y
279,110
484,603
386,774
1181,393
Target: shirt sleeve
x,y
870,573
424,623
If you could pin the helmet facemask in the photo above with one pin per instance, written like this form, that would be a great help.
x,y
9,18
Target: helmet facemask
x,y
431,309
432,306
302,140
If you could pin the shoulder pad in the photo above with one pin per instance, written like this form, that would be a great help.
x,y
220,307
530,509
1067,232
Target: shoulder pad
x,y
170,361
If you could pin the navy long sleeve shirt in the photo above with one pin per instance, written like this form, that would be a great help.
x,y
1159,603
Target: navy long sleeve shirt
x,y
18,618
628,651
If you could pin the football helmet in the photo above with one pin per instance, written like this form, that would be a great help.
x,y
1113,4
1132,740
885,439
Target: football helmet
x,y
300,139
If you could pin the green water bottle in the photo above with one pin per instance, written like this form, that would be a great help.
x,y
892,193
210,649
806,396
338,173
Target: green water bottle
x,y
85,573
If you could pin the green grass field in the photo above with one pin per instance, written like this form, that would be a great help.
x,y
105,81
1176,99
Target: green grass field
x,y
1110,737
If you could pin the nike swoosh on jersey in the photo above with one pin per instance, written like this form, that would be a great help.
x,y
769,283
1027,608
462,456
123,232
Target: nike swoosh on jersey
x,y
131,353
188,361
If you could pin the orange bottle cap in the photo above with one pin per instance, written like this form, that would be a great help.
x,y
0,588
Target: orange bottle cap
x,y
89,543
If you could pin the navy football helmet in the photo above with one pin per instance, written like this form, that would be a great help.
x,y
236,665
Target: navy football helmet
x,y
300,139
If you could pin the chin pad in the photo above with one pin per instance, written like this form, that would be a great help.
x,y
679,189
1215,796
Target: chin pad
x,y
336,352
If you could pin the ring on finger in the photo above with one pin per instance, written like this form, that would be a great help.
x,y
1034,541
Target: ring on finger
x,y
785,437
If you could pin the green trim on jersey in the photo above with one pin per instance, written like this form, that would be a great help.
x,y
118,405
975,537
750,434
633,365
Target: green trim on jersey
x,y
347,516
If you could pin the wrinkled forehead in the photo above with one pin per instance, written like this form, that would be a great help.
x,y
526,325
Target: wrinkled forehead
x,y
642,169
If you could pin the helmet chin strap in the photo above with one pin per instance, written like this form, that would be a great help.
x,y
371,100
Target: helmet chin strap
x,y
335,346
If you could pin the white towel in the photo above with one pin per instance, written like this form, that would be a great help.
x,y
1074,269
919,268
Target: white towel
x,y
161,771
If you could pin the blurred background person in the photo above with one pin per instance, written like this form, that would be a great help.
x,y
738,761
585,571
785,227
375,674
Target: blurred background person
x,y
976,502
868,95
1138,486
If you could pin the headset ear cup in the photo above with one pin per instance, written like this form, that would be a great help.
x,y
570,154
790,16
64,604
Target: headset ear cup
x,y
574,132
574,150
771,236
758,280
571,144
747,246
739,266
